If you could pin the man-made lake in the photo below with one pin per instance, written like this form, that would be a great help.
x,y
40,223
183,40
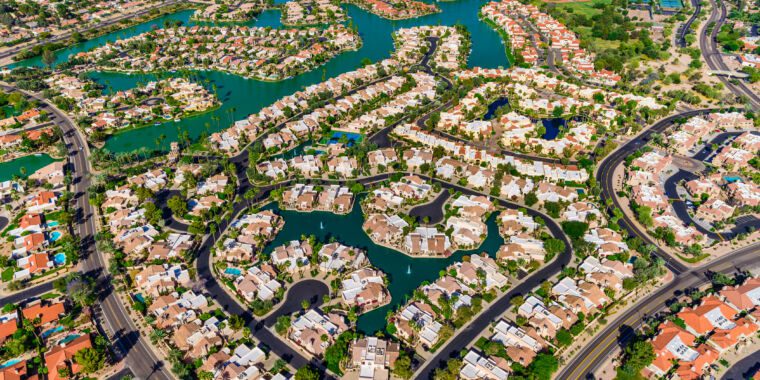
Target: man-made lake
x,y
242,97
404,272
23,166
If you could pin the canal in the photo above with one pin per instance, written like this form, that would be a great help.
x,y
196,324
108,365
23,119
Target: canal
x,y
404,272
23,166
242,97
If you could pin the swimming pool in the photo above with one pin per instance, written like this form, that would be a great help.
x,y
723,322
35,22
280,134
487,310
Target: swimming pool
x,y
59,258
352,138
732,179
52,331
139,297
52,223
55,235
233,271
10,363
68,338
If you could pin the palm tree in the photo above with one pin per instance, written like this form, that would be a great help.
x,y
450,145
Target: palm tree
x,y
156,335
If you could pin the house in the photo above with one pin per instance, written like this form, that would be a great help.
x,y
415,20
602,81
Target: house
x,y
307,331
292,255
742,297
365,288
336,256
43,312
62,357
423,318
482,367
712,313
43,201
53,174
671,343
8,325
373,357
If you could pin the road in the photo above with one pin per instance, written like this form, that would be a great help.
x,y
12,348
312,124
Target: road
x,y
16,49
124,336
433,210
745,368
619,332
605,177
712,56
687,26
31,292
680,207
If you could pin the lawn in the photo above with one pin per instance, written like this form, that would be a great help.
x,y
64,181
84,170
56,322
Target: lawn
x,y
7,275
583,7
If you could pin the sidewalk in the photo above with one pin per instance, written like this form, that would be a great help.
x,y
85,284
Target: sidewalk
x,y
566,353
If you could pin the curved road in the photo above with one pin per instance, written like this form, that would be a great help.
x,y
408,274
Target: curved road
x,y
124,336
618,333
621,330
714,60
605,176
745,368
697,4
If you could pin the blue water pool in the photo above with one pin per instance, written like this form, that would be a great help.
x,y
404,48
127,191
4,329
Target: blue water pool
x,y
68,338
139,297
732,179
673,4
351,137
52,223
10,363
59,258
233,271
52,331
55,235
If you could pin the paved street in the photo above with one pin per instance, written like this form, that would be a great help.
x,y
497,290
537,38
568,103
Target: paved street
x,y
125,338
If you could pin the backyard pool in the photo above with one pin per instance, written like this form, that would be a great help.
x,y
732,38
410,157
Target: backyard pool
x,y
10,363
233,271
139,297
59,258
52,223
351,138
52,331
68,338
732,179
55,235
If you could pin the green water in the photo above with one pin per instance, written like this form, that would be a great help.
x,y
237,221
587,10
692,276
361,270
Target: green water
x,y
405,273
242,97
30,163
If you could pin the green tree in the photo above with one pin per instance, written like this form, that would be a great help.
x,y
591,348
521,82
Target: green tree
x,y
543,366
403,366
531,199
48,57
307,372
177,205
282,325
90,359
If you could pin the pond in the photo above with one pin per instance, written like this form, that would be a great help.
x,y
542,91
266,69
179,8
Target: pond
x,y
23,166
404,272
552,127
493,107
242,97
